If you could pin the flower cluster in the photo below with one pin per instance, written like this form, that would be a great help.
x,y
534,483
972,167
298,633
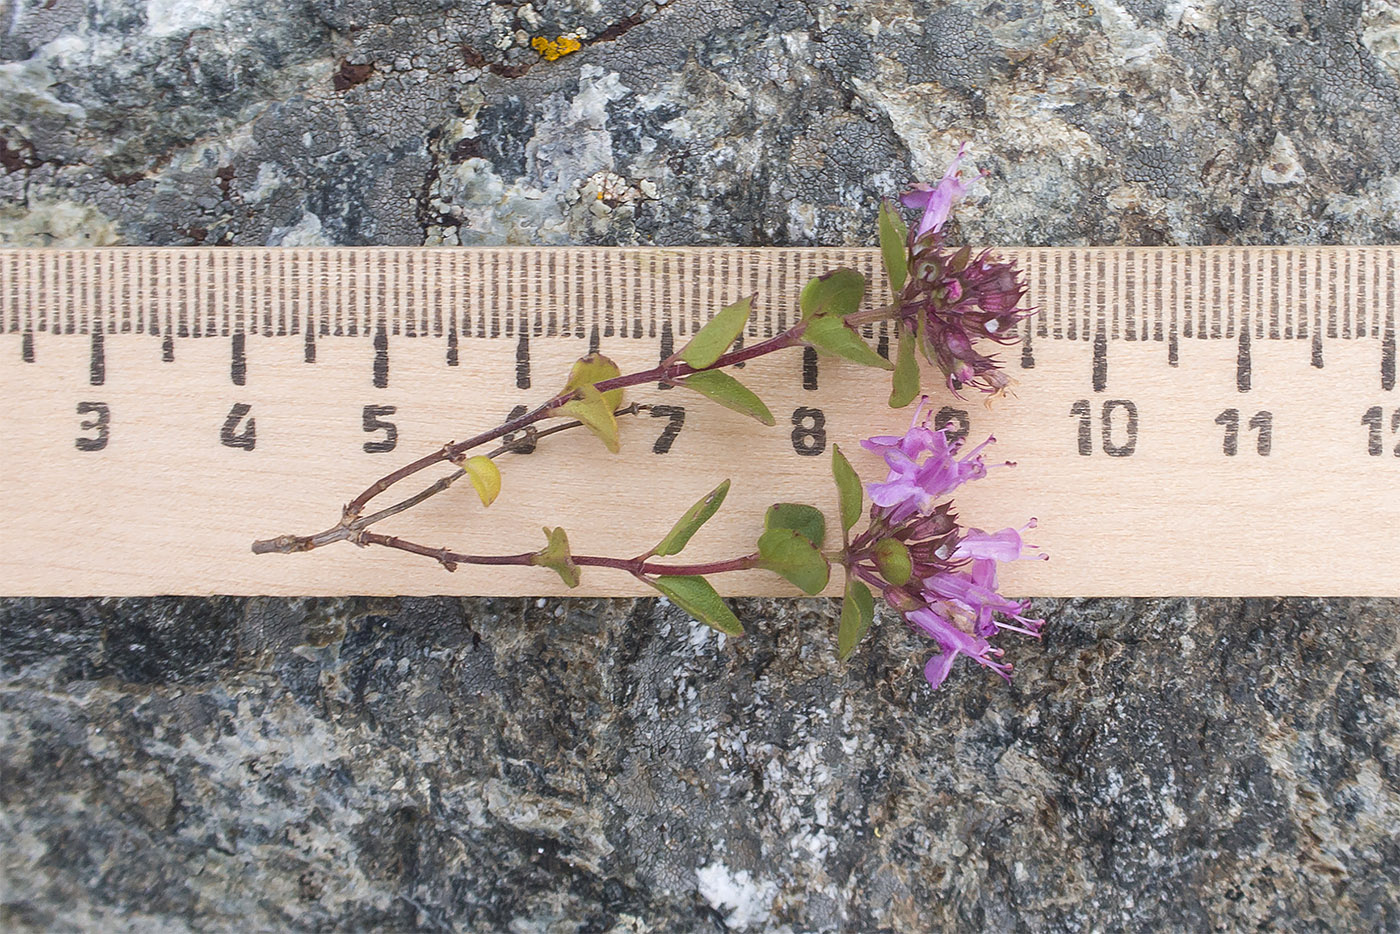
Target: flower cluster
x,y
951,299
940,576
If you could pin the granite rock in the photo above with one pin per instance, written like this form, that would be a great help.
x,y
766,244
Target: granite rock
x,y
608,766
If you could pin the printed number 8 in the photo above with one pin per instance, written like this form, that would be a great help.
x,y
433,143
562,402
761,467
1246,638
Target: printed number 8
x,y
808,431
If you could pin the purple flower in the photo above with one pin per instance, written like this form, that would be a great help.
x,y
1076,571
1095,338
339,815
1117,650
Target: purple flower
x,y
951,299
951,593
936,200
922,468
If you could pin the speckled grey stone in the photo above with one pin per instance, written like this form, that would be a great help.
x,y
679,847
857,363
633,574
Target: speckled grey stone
x,y
608,766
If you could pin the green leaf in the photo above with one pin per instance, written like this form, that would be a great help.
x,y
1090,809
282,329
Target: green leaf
x,y
789,554
728,392
690,523
893,236
596,412
857,613
837,293
832,335
711,341
595,368
485,477
848,489
556,555
700,600
893,560
906,373
805,520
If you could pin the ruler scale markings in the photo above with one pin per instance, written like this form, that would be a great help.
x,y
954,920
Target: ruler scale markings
x,y
1363,264
1388,351
1183,287
1328,299
1378,316
206,284
336,295
89,312
1165,281
1229,302
66,281
475,300
548,311
39,304
1344,296
635,304
1220,319
778,320
500,304
1122,307
1207,327
433,283
387,307
1036,294
291,298
81,285
1316,297
274,311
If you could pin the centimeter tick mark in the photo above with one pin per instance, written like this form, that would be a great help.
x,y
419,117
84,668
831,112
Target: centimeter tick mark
x,y
1388,356
452,344
809,368
381,356
1243,364
97,373
522,362
26,347
1100,359
668,346
238,364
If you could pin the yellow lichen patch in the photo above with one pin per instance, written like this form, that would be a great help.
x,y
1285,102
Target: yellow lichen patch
x,y
551,49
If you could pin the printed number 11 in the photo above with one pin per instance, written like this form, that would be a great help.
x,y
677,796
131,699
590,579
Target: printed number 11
x,y
1262,422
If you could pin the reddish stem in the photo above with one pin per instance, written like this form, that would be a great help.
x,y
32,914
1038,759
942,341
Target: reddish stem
x,y
637,567
663,373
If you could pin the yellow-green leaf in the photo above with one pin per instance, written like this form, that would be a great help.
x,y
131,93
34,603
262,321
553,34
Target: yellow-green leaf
x,y
595,368
848,489
892,558
805,520
832,335
711,341
485,477
728,392
857,612
700,600
596,412
788,553
690,523
893,234
836,293
906,373
556,555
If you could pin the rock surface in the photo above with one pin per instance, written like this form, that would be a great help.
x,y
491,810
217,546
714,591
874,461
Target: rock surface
x,y
485,765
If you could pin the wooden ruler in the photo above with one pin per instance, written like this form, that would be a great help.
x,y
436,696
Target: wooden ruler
x,y
1188,421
